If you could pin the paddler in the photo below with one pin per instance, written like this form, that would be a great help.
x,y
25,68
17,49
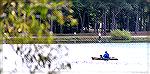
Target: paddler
x,y
106,56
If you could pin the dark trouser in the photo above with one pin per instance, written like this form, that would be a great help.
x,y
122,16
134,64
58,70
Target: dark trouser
x,y
99,38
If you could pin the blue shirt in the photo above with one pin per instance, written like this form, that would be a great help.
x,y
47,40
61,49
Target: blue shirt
x,y
106,56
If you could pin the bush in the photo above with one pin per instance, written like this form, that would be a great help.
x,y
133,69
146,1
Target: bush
x,y
120,35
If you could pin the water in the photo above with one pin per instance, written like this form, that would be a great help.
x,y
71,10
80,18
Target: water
x,y
133,59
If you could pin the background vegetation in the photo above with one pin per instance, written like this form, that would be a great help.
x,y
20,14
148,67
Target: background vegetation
x,y
108,15
120,35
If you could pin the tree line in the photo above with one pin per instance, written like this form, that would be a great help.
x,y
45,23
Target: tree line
x,y
107,15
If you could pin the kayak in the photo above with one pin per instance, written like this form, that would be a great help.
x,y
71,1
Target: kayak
x,y
96,58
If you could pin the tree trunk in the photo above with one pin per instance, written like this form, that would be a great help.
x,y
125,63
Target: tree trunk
x,y
104,24
82,23
137,23
51,26
95,28
88,24
148,17
127,28
124,21
142,19
61,29
113,25
95,24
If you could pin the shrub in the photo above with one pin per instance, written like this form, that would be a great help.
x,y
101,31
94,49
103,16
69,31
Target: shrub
x,y
120,35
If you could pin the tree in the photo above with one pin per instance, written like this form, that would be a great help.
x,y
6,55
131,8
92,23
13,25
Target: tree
x,y
30,18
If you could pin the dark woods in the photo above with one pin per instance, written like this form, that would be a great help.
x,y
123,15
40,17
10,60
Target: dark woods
x,y
106,15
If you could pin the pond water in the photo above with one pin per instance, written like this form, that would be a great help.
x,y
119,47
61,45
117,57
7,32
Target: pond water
x,y
133,58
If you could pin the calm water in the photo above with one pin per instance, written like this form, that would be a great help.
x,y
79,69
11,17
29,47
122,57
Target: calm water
x,y
133,59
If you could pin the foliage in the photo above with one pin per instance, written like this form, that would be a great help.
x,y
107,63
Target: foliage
x,y
120,35
41,57
26,19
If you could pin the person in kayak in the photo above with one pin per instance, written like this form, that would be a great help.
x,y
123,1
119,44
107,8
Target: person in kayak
x,y
106,56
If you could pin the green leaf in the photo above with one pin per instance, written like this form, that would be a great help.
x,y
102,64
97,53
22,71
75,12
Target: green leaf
x,y
74,22
43,12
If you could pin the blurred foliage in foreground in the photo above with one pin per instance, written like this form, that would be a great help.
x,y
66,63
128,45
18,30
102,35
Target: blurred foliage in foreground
x,y
44,57
28,21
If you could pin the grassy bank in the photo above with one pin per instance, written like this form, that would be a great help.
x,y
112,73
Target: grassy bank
x,y
95,39
75,39
134,39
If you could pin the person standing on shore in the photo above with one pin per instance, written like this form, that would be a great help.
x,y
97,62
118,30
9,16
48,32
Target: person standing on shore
x,y
99,36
